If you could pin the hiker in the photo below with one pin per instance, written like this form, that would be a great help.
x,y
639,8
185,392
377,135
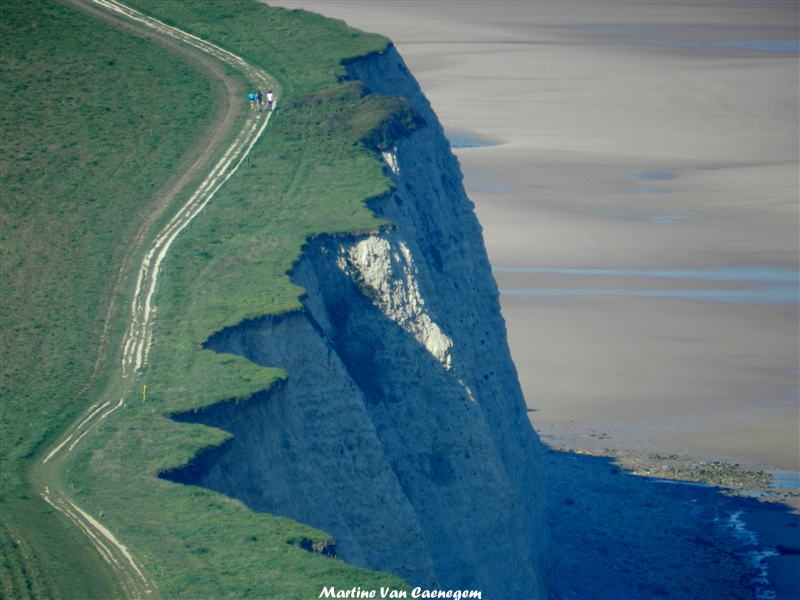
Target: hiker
x,y
270,100
259,100
252,97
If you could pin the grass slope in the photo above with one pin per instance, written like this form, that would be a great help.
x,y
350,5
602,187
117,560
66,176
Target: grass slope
x,y
87,144
86,141
310,174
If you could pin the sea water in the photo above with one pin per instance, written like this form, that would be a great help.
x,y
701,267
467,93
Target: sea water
x,y
764,285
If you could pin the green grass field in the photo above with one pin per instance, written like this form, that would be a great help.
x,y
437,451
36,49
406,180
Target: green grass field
x,y
87,144
81,168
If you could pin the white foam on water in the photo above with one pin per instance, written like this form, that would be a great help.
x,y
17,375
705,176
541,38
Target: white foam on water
x,y
755,556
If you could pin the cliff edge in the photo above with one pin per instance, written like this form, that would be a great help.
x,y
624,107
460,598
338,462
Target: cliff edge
x,y
401,428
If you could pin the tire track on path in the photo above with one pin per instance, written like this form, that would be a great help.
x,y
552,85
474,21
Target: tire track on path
x,y
139,337
131,574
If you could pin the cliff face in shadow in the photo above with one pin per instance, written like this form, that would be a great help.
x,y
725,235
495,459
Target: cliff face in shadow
x,y
401,429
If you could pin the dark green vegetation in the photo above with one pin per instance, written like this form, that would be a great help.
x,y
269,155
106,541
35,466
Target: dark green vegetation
x,y
80,167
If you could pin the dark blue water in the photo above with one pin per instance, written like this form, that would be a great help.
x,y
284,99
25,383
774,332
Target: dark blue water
x,y
763,296
791,46
700,37
765,285
747,274
785,480
655,175
485,181
669,218
782,46
458,140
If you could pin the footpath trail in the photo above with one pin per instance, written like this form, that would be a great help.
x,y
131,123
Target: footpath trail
x,y
134,580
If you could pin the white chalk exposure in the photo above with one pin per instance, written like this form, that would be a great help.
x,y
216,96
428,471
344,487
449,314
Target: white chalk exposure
x,y
388,268
390,158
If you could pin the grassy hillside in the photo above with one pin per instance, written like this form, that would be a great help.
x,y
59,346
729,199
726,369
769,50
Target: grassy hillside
x,y
88,144
72,199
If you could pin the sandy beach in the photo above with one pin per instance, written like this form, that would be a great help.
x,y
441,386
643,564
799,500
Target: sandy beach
x,y
635,170
629,137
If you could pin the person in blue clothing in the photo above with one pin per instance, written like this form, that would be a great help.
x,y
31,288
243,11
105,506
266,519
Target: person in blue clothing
x,y
259,100
252,97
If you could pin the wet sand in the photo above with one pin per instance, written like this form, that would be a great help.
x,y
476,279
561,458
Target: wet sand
x,y
629,136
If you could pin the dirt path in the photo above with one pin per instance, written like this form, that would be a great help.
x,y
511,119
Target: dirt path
x,y
139,336
132,576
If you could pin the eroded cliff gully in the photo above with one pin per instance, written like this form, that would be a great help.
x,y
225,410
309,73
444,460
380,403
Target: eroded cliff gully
x,y
401,429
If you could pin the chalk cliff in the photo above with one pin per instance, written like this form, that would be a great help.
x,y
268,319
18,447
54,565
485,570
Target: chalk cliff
x,y
401,429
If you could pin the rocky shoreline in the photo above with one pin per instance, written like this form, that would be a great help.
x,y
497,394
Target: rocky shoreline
x,y
618,534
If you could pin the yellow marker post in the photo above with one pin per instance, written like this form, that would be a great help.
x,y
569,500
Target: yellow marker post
x,y
144,392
